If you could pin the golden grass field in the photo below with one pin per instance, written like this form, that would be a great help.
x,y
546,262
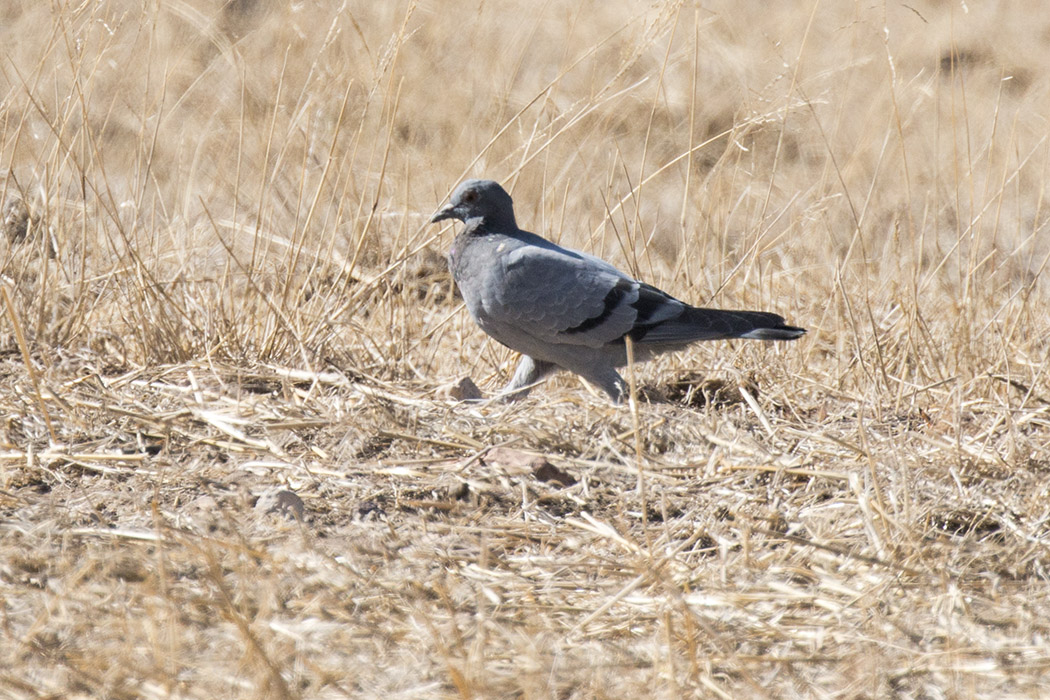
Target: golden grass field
x,y
218,282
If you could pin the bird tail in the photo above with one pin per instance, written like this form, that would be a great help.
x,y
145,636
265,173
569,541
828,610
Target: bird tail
x,y
717,324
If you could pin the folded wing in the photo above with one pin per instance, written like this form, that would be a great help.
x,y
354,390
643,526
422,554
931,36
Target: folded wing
x,y
562,296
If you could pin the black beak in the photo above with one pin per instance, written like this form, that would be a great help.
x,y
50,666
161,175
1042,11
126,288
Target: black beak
x,y
447,212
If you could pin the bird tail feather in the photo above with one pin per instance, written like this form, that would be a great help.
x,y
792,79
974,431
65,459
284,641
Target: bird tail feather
x,y
717,324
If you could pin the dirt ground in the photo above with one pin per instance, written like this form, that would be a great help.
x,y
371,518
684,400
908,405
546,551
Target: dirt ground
x,y
234,461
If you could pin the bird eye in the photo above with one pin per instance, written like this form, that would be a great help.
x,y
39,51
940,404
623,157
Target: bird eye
x,y
470,196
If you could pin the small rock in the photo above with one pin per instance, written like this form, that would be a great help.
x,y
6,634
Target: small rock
x,y
458,492
282,501
465,390
512,460
547,472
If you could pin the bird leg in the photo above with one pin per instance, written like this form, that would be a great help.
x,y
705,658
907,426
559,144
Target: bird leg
x,y
608,380
529,372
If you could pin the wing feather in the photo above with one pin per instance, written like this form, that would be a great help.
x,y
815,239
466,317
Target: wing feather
x,y
560,296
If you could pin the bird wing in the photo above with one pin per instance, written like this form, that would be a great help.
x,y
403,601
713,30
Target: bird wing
x,y
562,296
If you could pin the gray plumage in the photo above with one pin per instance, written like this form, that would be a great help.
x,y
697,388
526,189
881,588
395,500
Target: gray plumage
x,y
564,309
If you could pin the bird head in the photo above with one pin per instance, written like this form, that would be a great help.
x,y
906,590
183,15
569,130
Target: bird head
x,y
482,199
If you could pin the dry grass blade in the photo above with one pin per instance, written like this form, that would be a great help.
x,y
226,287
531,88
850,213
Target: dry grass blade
x,y
231,460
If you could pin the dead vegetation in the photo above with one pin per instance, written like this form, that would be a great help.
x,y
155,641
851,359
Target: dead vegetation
x,y
231,463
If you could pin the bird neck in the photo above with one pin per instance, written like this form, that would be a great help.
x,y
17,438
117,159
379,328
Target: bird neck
x,y
502,222
475,225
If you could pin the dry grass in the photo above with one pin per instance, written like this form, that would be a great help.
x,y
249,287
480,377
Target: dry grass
x,y
218,280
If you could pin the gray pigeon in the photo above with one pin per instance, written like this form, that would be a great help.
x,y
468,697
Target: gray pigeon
x,y
564,309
